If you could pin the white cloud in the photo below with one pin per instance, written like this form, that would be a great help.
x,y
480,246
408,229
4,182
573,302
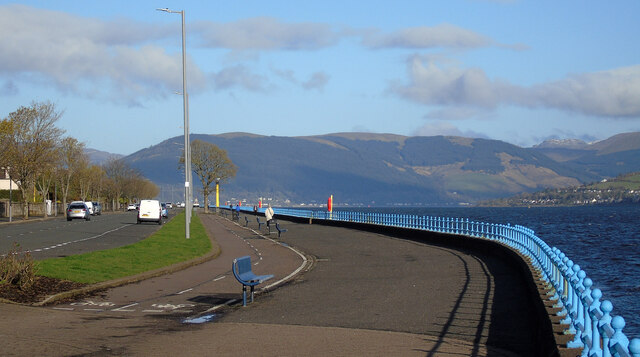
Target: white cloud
x,y
612,93
72,53
265,33
457,113
239,76
445,129
8,88
444,35
317,81
433,85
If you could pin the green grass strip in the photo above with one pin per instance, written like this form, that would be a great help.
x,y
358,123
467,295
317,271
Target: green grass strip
x,y
165,247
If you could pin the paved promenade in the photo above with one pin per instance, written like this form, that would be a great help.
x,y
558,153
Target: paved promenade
x,y
354,293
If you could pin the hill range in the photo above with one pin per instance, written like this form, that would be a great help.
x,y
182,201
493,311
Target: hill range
x,y
387,169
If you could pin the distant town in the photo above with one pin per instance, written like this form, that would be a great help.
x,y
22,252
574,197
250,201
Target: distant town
x,y
624,189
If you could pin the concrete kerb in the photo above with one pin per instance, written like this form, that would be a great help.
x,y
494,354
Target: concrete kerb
x,y
130,279
307,263
214,253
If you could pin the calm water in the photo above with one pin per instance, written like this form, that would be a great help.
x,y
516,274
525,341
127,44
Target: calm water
x,y
603,240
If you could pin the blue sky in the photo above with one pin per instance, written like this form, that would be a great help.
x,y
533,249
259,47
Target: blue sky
x,y
518,71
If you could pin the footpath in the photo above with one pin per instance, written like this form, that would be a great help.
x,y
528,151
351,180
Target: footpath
x,y
340,292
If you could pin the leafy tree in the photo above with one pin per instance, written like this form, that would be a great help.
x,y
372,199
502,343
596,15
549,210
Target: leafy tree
x,y
29,138
209,163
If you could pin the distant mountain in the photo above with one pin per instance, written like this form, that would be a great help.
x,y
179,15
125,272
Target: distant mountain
x,y
608,158
98,157
385,169
562,144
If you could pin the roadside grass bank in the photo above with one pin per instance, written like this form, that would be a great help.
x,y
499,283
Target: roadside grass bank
x,y
165,247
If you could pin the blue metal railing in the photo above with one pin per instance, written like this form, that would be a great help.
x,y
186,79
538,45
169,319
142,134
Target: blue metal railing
x,y
596,331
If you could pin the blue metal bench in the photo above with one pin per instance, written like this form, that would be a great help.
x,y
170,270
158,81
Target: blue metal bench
x,y
259,223
280,230
241,268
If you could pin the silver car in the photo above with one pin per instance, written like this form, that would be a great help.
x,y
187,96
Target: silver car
x,y
78,209
97,208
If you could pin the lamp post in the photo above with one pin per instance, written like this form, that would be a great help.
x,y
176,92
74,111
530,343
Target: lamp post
x,y
187,146
10,197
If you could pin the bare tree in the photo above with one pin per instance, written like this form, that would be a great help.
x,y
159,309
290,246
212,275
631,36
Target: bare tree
x,y
72,159
98,178
126,182
30,144
209,163
116,171
146,188
43,184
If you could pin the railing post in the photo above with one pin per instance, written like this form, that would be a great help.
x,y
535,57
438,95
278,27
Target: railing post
x,y
589,318
606,307
634,347
584,312
570,305
576,307
594,309
618,338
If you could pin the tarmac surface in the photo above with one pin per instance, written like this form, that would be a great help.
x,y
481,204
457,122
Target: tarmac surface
x,y
336,291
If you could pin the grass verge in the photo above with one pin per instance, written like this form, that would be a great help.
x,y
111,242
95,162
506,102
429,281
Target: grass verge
x,y
165,247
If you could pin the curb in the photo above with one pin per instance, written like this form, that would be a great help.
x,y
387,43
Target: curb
x,y
130,279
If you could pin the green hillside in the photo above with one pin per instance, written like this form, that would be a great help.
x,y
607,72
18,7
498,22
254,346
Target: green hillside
x,y
381,169
623,189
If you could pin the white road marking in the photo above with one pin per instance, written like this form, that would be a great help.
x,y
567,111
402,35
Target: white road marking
x,y
229,302
124,308
78,240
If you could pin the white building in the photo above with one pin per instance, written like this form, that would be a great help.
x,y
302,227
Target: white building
x,y
4,180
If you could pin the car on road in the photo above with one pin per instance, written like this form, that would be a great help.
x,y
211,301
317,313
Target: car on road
x,y
132,207
89,205
97,208
150,211
78,209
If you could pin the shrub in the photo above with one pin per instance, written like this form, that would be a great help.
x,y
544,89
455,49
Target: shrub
x,y
17,268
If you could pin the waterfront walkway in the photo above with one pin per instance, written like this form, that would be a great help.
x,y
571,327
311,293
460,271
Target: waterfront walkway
x,y
365,294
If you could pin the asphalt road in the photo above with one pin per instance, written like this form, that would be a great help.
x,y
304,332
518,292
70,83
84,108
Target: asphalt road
x,y
57,237
367,294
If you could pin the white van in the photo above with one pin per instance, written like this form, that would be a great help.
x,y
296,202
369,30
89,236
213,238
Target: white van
x,y
89,205
150,211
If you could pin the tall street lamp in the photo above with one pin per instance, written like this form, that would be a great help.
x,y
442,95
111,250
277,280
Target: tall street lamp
x,y
187,146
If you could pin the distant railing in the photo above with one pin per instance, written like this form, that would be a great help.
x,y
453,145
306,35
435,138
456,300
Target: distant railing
x,y
596,331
